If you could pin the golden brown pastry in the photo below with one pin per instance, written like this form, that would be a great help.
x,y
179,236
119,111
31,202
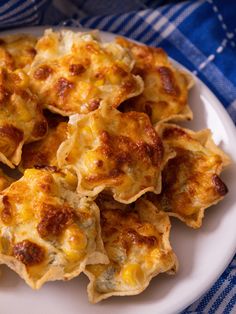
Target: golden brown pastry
x,y
73,72
21,118
190,181
136,239
119,152
44,152
165,94
47,231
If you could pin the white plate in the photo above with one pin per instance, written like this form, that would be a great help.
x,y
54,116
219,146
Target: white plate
x,y
203,254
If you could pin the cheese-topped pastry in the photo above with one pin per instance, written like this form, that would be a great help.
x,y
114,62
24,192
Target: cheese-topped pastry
x,y
5,180
119,152
44,152
165,94
190,181
73,72
47,231
17,51
136,239
21,118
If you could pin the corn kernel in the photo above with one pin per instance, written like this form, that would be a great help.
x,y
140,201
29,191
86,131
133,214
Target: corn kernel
x,y
99,83
87,131
114,79
97,269
132,274
84,88
31,173
73,255
23,112
90,160
26,213
75,243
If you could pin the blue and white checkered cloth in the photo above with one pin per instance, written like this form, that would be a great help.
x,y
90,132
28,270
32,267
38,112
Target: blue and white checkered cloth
x,y
199,34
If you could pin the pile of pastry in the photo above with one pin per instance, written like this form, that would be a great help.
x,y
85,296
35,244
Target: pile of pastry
x,y
99,164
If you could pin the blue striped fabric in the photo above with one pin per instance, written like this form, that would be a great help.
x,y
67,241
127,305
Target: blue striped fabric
x,y
20,12
199,34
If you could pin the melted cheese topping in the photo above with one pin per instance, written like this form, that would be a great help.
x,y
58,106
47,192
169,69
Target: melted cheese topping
x,y
17,51
191,181
47,231
73,72
44,152
117,151
136,239
21,118
165,87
